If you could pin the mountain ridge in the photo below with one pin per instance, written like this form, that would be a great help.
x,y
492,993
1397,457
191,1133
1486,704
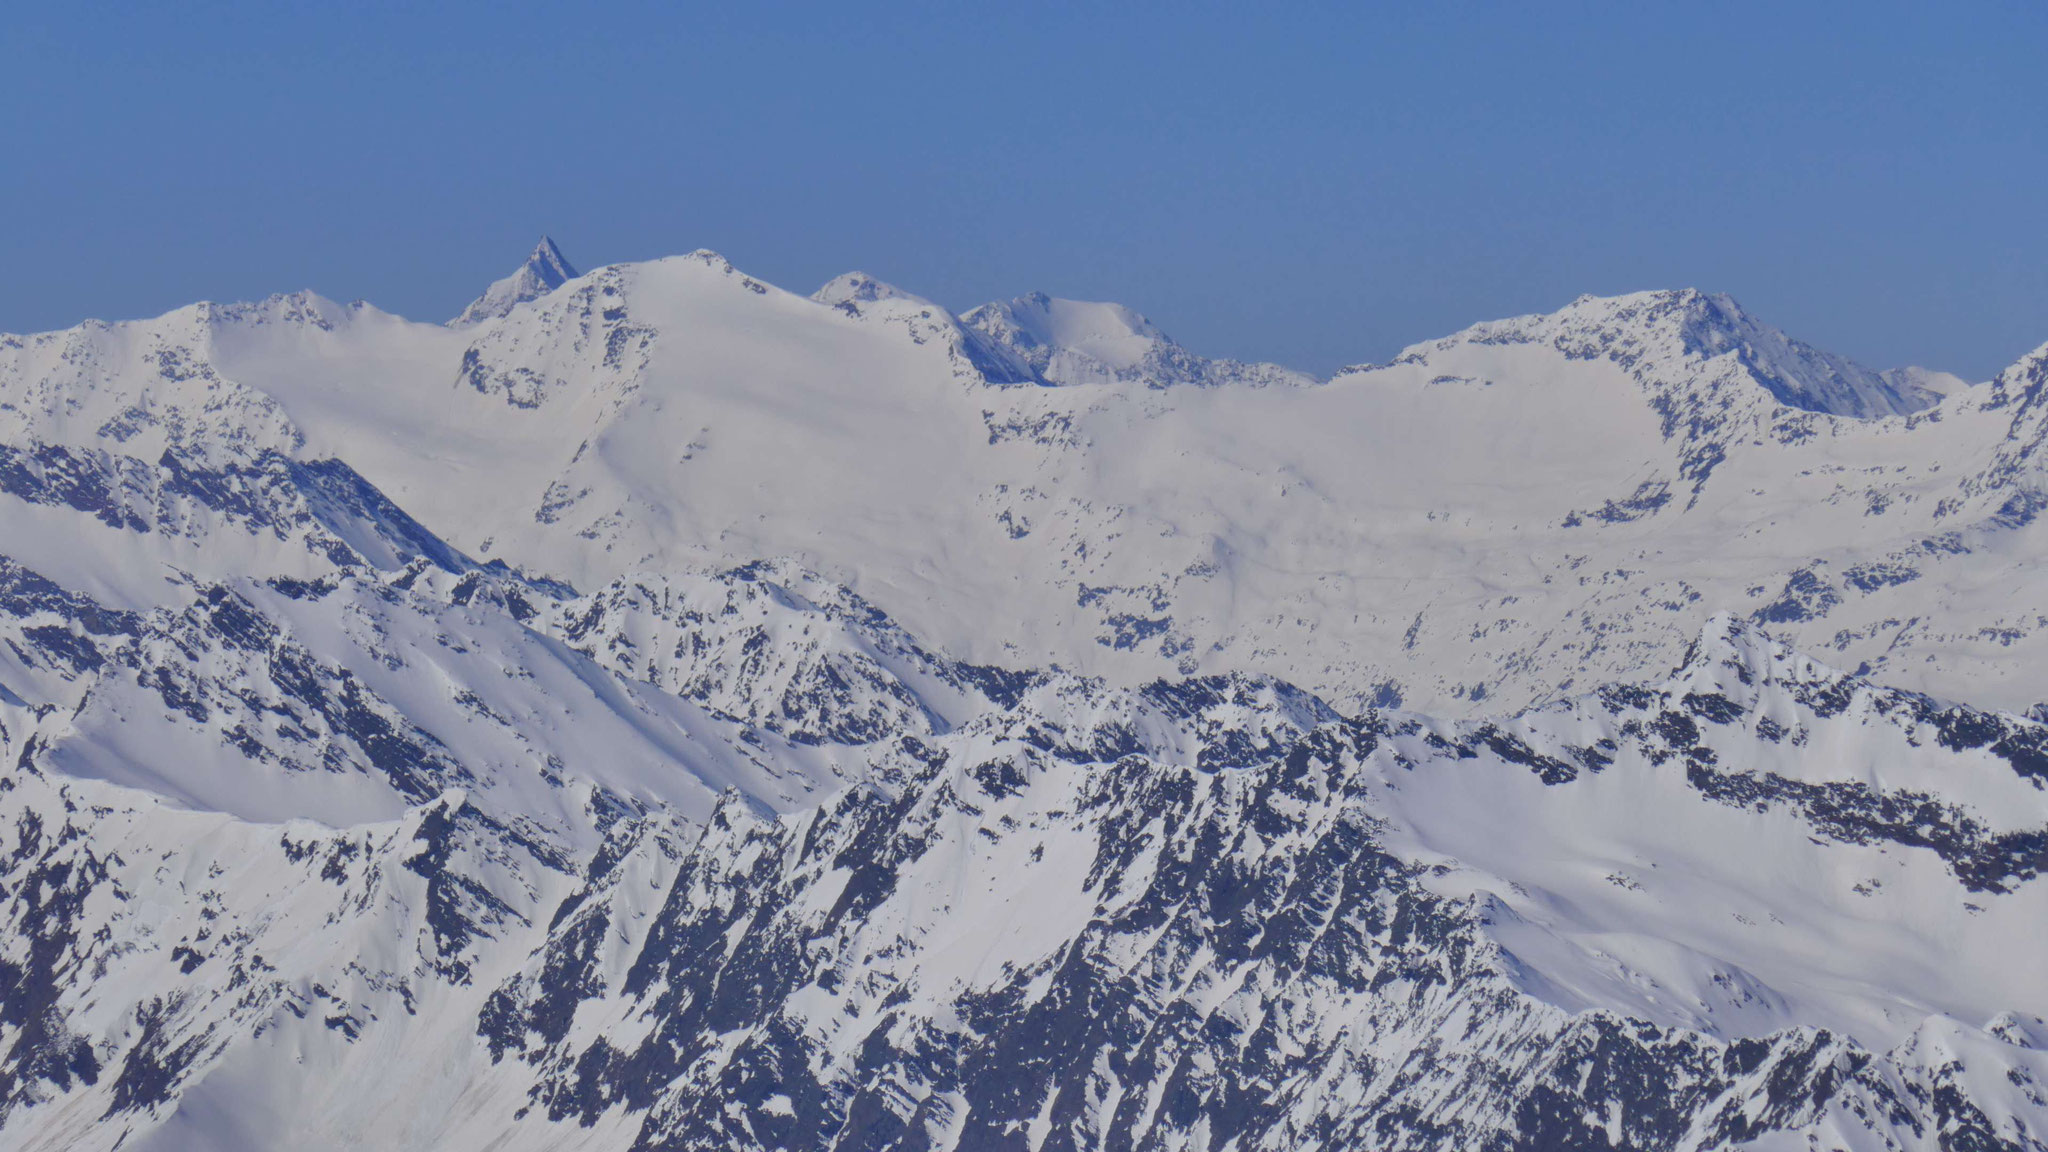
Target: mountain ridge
x,y
678,713
647,357
1633,325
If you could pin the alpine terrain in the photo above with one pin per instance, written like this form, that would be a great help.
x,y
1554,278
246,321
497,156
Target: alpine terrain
x,y
657,710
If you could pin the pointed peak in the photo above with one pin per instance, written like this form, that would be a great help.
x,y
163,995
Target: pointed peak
x,y
547,260
544,270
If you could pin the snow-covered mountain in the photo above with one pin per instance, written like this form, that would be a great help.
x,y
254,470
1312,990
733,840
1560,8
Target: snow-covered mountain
x,y
1610,473
544,270
658,710
1071,342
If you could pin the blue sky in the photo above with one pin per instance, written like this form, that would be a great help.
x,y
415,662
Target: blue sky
x,y
1305,183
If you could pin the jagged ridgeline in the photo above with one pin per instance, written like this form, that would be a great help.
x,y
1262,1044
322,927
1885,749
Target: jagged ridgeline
x,y
658,711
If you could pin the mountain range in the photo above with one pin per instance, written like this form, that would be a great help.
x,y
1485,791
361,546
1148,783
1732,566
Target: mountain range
x,y
658,710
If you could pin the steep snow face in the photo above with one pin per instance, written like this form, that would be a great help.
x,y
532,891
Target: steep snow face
x,y
348,700
1076,342
545,270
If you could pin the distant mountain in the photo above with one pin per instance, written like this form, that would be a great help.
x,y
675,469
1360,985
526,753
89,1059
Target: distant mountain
x,y
1073,342
1925,382
1660,336
545,270
662,711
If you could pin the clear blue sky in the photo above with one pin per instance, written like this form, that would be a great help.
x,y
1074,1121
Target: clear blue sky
x,y
1310,184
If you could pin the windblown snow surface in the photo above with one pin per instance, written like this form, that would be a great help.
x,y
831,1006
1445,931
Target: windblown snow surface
x,y
656,710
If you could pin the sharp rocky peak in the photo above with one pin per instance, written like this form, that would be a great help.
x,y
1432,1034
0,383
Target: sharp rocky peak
x,y
547,260
544,270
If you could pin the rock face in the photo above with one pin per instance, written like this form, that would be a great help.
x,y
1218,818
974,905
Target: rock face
x,y
340,810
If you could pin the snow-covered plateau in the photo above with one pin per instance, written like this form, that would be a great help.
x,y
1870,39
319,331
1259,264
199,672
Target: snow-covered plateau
x,y
656,710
